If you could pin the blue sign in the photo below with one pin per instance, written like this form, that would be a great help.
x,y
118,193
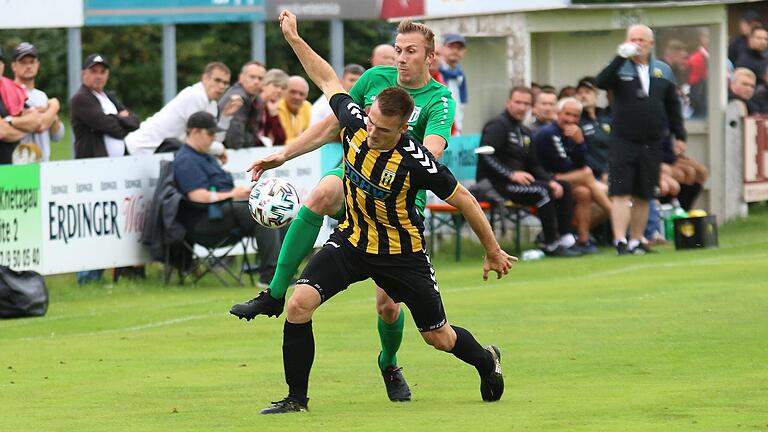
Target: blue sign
x,y
126,12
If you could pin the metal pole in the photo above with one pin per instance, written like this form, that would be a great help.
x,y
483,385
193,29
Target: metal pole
x,y
337,45
169,62
74,66
258,42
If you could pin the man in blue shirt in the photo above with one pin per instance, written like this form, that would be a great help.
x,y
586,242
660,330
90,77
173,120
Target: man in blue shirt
x,y
201,179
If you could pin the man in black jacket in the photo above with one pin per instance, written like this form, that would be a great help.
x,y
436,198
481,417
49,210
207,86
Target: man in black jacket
x,y
99,120
645,107
515,173
754,58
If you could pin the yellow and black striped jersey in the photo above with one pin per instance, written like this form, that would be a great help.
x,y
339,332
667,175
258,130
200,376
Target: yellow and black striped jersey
x,y
380,186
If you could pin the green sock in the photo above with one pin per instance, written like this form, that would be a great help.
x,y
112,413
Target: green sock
x,y
391,335
297,244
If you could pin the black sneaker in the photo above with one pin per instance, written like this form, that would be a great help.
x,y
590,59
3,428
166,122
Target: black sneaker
x,y
642,249
492,385
263,304
563,252
587,247
397,388
621,249
287,405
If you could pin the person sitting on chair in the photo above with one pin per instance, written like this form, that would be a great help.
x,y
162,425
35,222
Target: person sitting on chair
x,y
201,179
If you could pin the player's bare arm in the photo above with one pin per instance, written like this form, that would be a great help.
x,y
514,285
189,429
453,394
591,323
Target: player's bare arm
x,y
495,258
435,144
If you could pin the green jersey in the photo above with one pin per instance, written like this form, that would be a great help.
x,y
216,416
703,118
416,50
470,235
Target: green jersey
x,y
433,109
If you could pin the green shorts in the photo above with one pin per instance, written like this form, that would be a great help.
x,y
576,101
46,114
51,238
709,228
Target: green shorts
x,y
421,196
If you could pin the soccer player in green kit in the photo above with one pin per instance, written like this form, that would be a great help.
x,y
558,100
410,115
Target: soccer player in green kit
x,y
430,122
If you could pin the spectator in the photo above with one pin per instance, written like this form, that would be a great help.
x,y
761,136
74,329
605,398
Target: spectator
x,y
754,58
740,45
293,109
383,55
562,151
16,118
454,48
645,107
742,87
25,66
697,75
595,124
99,120
196,173
515,173
246,123
321,109
535,89
272,90
543,109
168,126
676,56
566,92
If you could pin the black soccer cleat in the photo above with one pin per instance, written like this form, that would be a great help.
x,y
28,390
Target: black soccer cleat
x,y
492,385
263,304
288,405
397,388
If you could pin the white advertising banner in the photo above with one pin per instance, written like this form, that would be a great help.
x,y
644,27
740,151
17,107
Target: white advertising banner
x,y
15,14
442,8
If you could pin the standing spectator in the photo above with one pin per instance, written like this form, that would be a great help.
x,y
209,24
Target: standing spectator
x,y
515,173
16,118
100,121
562,151
383,55
595,123
246,123
645,106
294,110
321,109
543,109
742,87
754,58
676,56
453,50
272,90
697,75
25,67
170,123
739,44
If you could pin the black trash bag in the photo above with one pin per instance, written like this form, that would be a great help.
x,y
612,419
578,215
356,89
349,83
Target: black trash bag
x,y
22,294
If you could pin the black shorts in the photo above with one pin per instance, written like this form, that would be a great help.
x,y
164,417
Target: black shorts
x,y
407,278
634,168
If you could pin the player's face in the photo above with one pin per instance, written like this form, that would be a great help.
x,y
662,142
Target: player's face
x,y
251,78
544,108
569,115
215,83
95,77
518,105
26,68
384,131
412,60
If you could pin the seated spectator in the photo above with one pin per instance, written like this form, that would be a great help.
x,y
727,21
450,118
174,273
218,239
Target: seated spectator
x,y
754,59
321,109
514,173
561,149
17,119
686,172
740,44
99,120
201,179
566,92
742,87
247,122
25,66
170,122
293,109
595,124
543,109
272,90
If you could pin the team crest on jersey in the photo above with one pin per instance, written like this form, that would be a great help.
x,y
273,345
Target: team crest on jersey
x,y
387,177
415,114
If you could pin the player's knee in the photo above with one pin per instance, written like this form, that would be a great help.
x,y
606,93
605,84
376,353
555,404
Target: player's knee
x,y
387,309
299,308
441,339
323,200
582,194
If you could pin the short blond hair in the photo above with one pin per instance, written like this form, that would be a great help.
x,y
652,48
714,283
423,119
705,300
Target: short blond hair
x,y
742,71
408,26
278,77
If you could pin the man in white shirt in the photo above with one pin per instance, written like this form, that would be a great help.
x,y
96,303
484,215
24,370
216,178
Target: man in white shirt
x,y
321,109
171,121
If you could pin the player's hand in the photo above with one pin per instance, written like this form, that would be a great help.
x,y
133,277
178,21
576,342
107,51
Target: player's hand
x,y
498,261
272,161
628,49
557,189
522,177
573,131
680,147
288,24
272,108
123,114
234,104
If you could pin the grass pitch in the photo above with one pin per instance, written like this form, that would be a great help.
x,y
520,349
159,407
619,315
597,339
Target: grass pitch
x,y
669,342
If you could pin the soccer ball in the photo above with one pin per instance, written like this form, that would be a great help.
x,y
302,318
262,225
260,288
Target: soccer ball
x,y
273,203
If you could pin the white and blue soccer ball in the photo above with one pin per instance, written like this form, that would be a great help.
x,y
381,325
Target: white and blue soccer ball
x,y
274,202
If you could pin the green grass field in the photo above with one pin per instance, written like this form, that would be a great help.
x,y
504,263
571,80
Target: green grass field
x,y
670,342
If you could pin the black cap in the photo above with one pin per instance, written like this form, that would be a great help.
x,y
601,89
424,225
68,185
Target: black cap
x,y
95,59
24,49
203,120
587,82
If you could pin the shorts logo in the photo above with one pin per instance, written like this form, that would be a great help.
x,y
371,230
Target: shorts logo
x,y
387,177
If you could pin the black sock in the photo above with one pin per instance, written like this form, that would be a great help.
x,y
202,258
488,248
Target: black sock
x,y
688,195
469,351
298,355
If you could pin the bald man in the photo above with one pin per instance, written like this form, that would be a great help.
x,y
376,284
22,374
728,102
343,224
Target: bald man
x,y
645,108
383,55
293,109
